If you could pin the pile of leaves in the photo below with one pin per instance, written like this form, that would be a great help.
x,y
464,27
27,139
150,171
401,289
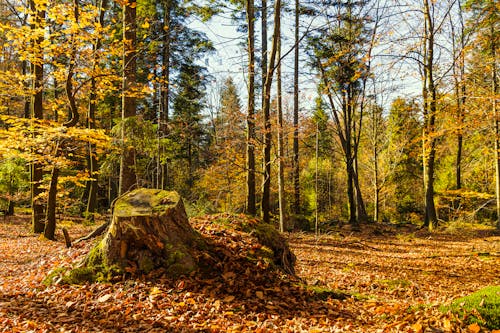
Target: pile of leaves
x,y
366,282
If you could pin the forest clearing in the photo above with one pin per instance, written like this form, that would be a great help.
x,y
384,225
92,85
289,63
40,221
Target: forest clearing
x,y
256,166
382,279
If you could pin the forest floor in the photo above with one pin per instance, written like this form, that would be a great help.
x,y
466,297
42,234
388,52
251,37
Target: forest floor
x,y
383,279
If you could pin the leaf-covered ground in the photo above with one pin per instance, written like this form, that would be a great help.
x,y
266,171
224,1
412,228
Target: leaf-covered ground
x,y
381,280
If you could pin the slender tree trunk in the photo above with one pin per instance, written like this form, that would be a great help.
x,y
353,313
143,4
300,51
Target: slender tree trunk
x,y
296,167
429,121
36,106
250,154
93,164
376,186
353,221
50,225
460,92
127,175
27,99
281,156
494,88
316,182
266,186
165,90
266,153
348,155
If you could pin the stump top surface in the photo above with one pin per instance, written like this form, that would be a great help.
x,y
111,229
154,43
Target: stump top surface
x,y
144,202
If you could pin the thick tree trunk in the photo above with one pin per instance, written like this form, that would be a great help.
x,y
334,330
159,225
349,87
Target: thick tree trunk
x,y
10,208
353,221
362,216
149,230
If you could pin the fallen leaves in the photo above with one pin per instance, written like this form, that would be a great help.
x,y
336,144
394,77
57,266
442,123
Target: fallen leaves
x,y
395,286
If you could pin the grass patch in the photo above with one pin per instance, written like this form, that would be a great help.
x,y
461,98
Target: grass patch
x,y
406,237
395,284
481,307
324,293
461,226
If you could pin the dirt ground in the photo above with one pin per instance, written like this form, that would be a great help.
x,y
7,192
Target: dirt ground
x,y
383,279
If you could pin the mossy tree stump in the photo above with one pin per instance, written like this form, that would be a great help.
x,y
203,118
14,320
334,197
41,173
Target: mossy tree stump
x,y
149,230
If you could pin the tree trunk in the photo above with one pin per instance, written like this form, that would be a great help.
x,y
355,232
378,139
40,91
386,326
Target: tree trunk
x,y
127,161
281,156
296,167
36,105
10,208
50,221
429,140
92,161
362,216
376,186
494,88
250,154
27,99
165,91
266,186
50,225
149,230
266,153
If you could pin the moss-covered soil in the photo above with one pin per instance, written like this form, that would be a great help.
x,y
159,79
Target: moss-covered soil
x,y
481,307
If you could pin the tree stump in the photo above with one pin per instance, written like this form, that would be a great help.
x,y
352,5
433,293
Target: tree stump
x,y
149,230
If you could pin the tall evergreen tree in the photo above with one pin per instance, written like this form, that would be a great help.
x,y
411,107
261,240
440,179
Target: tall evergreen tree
x,y
187,128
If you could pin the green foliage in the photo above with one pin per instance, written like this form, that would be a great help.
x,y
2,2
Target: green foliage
x,y
482,307
403,160
327,198
14,179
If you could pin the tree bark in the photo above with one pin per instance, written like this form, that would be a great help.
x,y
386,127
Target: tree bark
x,y
266,153
250,153
296,167
429,140
36,106
50,224
92,161
281,155
50,220
149,230
165,91
266,186
494,88
127,161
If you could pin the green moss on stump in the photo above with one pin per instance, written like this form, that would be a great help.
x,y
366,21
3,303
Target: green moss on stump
x,y
485,302
149,230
